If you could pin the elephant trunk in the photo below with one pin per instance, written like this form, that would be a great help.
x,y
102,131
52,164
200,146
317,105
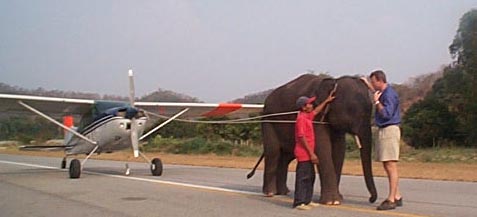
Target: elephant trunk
x,y
365,153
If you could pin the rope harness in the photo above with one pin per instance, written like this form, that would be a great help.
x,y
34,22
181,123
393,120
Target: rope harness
x,y
256,119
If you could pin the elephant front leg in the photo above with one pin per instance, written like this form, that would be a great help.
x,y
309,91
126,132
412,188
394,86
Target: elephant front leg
x,y
326,168
338,145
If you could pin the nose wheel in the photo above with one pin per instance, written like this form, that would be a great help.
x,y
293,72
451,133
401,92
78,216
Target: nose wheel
x,y
156,167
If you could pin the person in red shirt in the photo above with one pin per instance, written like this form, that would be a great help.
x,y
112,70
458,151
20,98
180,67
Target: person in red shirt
x,y
305,151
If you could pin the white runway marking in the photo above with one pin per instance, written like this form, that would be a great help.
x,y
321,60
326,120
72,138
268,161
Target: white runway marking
x,y
141,179
342,207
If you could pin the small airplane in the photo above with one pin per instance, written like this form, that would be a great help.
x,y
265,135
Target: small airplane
x,y
108,126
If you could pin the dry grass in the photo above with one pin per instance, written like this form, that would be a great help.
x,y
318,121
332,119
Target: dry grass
x,y
417,170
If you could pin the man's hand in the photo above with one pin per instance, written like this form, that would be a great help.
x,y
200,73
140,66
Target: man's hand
x,y
365,80
314,158
330,97
377,94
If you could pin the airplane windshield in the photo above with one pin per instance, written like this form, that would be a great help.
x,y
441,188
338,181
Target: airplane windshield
x,y
101,109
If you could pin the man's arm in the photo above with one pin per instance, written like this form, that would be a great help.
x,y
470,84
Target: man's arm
x,y
370,87
387,111
311,153
322,105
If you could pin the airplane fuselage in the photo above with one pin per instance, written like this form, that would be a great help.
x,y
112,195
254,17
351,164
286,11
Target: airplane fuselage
x,y
112,133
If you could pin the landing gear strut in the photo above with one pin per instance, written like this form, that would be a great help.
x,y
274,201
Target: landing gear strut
x,y
63,163
76,166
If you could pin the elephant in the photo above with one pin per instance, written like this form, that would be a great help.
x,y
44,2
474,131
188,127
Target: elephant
x,y
349,112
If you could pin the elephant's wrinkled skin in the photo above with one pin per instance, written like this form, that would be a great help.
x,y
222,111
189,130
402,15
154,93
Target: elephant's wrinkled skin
x,y
350,112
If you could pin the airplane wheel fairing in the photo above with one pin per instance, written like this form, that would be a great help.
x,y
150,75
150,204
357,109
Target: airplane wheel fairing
x,y
156,167
75,169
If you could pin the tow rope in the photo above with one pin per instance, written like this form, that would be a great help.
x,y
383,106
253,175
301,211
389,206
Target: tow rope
x,y
240,120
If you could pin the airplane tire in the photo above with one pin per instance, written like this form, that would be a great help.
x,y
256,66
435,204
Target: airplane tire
x,y
75,169
156,167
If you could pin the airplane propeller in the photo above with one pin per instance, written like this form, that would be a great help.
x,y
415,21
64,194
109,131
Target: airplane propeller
x,y
134,122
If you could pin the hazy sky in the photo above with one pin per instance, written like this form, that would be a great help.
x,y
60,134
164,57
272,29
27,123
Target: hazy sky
x,y
218,50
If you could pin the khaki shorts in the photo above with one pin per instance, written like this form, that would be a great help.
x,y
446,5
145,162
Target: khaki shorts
x,y
387,143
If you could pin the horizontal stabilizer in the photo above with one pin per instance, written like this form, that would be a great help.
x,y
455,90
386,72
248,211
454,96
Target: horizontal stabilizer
x,y
43,147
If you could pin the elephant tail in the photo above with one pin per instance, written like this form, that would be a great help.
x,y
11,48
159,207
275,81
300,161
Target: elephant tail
x,y
249,175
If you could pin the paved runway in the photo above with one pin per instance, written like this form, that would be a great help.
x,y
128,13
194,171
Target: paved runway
x,y
34,186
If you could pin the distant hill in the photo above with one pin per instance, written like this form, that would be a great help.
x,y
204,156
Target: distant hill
x,y
410,92
416,88
259,97
159,95
5,88
168,96
255,98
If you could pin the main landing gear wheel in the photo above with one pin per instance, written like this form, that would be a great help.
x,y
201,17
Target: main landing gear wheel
x,y
75,169
156,167
63,163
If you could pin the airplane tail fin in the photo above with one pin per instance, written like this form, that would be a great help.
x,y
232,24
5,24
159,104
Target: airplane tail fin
x,y
69,122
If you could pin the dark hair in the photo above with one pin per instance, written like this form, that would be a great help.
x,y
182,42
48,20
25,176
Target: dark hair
x,y
379,74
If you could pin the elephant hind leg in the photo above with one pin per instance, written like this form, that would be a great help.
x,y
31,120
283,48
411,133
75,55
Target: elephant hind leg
x,y
271,148
282,173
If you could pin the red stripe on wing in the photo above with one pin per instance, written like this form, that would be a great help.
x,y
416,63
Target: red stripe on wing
x,y
223,109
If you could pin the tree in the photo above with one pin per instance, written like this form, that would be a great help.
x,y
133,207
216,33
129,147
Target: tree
x,y
449,111
464,51
428,123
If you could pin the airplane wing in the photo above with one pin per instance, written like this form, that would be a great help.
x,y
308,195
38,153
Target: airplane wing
x,y
200,110
54,106
58,107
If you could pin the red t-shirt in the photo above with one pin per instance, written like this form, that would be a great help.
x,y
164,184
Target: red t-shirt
x,y
304,128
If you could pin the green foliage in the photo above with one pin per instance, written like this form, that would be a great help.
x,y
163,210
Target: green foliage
x,y
213,131
26,129
464,50
428,123
199,145
448,113
176,129
440,155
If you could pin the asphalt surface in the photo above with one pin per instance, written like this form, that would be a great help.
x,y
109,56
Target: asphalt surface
x,y
35,186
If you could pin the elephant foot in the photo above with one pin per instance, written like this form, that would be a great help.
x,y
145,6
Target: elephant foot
x,y
269,194
331,200
333,203
284,192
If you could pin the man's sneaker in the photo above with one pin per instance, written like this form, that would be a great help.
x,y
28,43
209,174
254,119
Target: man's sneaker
x,y
313,204
302,207
398,202
386,205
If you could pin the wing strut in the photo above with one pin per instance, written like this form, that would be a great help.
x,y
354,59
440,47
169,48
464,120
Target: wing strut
x,y
163,124
56,122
